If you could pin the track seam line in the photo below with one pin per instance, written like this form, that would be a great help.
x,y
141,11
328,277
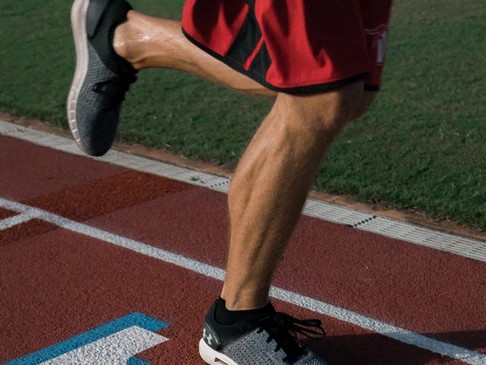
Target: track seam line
x,y
364,221
368,323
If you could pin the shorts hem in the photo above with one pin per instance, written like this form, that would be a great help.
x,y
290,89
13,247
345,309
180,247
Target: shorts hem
x,y
369,87
305,89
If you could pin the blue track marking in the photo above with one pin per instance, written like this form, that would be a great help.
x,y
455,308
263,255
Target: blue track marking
x,y
97,333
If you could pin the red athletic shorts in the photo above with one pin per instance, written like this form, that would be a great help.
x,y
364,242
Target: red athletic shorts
x,y
294,46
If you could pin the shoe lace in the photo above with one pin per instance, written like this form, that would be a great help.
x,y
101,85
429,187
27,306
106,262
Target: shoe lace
x,y
284,329
116,88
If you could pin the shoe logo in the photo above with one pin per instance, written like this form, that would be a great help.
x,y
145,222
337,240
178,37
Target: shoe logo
x,y
207,337
210,337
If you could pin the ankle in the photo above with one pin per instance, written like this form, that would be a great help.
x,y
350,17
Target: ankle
x,y
224,316
124,41
241,302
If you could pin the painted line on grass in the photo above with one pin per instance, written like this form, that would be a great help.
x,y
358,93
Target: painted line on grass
x,y
458,245
385,329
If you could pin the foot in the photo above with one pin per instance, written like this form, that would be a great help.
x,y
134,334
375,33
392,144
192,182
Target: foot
x,y
269,338
101,78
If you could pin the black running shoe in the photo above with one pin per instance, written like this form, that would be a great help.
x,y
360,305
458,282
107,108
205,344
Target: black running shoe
x,y
269,339
101,78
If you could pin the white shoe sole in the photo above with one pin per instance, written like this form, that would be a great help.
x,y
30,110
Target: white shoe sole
x,y
78,24
213,357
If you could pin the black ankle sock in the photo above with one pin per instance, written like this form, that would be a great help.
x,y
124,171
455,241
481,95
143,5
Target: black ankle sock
x,y
228,317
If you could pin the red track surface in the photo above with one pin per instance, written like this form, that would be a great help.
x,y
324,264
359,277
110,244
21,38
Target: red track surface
x,y
57,284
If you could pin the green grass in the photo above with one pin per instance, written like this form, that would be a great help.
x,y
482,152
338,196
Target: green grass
x,y
422,146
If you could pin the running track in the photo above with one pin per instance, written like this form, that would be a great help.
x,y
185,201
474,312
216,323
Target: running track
x,y
104,264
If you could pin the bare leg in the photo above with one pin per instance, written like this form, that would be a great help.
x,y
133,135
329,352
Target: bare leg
x,y
271,183
146,42
273,177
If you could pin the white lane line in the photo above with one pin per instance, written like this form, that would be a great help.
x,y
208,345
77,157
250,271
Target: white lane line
x,y
13,221
462,246
385,329
399,334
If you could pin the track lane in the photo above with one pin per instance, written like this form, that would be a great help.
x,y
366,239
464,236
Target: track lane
x,y
289,297
91,282
192,221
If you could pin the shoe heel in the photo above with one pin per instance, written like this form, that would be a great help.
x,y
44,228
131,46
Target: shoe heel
x,y
78,25
212,357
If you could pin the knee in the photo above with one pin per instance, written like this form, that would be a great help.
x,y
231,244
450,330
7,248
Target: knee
x,y
328,112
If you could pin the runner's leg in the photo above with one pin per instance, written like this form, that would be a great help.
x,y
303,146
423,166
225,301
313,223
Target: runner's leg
x,y
147,42
273,177
271,183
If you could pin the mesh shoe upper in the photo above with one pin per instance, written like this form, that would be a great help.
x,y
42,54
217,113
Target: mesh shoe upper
x,y
268,340
96,97
98,106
